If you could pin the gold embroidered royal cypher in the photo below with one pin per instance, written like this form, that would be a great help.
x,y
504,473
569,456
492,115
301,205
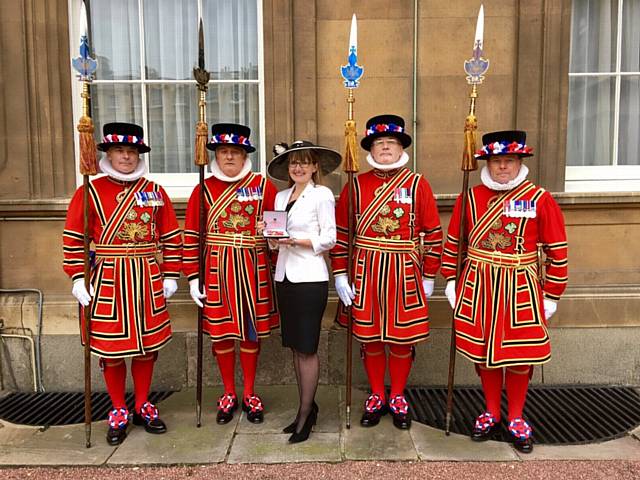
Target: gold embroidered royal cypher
x,y
236,221
385,225
133,232
495,241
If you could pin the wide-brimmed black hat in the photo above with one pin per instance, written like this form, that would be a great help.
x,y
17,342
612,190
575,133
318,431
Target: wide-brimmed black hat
x,y
385,126
505,142
328,160
120,133
230,134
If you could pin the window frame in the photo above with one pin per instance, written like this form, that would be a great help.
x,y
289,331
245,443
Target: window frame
x,y
177,185
612,177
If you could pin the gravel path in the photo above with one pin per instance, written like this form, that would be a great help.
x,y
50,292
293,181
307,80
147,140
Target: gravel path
x,y
552,470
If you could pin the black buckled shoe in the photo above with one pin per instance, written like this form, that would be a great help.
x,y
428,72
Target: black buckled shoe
x,y
485,428
521,435
252,406
149,417
374,408
399,408
117,421
227,404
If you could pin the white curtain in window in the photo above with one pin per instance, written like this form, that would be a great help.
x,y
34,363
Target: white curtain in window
x,y
591,99
170,53
629,129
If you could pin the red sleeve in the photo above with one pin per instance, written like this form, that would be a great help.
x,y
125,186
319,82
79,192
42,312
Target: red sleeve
x,y
339,252
191,236
73,236
170,238
429,223
553,237
450,252
270,192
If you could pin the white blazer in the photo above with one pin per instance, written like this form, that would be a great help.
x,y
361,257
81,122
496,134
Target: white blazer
x,y
311,217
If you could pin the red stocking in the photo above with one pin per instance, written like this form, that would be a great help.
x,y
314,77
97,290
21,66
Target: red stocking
x,y
225,354
492,386
249,362
375,363
400,360
115,376
517,384
142,372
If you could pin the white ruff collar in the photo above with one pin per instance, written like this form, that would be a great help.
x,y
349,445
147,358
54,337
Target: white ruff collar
x,y
404,159
216,172
489,182
140,171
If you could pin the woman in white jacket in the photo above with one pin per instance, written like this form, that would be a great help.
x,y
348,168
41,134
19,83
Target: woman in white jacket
x,y
302,277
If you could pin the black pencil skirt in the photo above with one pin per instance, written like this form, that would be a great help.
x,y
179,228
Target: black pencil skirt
x,y
301,308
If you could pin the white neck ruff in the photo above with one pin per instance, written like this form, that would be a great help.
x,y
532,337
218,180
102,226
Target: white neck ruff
x,y
404,159
140,171
216,172
489,182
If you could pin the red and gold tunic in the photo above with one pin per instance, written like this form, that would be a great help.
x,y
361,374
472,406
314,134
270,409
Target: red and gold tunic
x,y
129,223
499,313
391,209
240,293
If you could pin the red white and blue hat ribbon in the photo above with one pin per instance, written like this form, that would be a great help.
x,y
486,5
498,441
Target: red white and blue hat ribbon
x,y
115,138
383,127
231,139
504,148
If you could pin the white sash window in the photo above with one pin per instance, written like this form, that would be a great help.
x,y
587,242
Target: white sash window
x,y
146,50
603,134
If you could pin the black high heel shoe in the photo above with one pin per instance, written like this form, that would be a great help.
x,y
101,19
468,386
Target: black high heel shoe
x,y
303,434
292,426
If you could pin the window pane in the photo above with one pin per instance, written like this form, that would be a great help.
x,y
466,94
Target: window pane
x,y
116,103
172,115
630,36
231,38
115,37
590,125
171,38
173,112
629,128
593,36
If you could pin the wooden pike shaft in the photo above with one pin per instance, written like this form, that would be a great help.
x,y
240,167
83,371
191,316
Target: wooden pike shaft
x,y
350,101
201,277
87,284
469,163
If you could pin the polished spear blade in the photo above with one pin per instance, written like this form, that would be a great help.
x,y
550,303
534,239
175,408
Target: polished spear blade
x,y
200,45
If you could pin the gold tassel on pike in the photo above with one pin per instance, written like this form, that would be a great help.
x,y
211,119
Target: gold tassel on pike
x,y
88,151
202,156
469,162
351,148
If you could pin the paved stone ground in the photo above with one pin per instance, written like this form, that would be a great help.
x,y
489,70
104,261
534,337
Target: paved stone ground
x,y
331,452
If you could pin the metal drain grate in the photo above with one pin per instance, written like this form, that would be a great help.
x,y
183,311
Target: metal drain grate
x,y
60,408
558,415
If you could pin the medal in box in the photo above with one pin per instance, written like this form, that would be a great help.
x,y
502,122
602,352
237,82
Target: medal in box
x,y
275,224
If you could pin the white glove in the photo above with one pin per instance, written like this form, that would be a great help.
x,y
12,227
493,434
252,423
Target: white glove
x,y
169,287
450,292
550,308
80,292
427,286
346,293
196,294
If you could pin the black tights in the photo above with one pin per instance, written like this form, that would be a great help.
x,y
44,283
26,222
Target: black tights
x,y
307,367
